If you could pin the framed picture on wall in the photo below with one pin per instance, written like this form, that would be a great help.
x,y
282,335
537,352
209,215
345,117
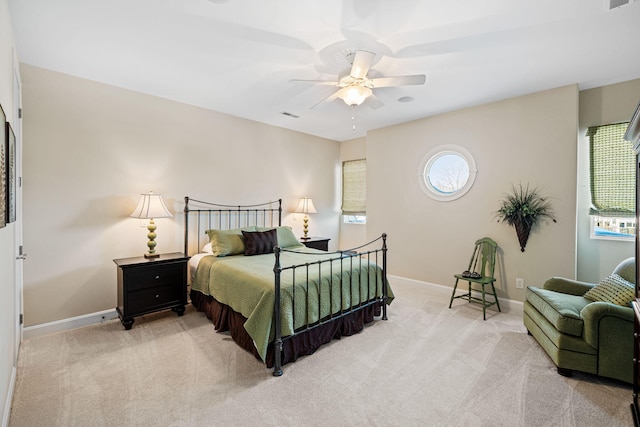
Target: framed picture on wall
x,y
11,174
3,170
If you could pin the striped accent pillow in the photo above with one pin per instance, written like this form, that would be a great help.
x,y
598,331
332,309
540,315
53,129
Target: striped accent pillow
x,y
613,289
259,242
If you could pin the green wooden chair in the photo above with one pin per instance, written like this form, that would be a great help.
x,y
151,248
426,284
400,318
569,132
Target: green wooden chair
x,y
480,272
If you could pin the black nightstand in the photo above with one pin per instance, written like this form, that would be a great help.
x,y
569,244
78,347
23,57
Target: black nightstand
x,y
146,285
321,243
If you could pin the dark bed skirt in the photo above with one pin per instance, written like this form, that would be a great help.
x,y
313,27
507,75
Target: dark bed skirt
x,y
302,343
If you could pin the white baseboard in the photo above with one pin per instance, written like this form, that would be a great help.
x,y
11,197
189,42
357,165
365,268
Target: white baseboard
x,y
507,305
9,400
70,323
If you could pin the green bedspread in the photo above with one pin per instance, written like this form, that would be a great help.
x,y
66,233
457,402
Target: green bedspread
x,y
246,284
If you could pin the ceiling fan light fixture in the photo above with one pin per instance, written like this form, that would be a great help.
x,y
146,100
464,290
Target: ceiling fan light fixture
x,y
354,94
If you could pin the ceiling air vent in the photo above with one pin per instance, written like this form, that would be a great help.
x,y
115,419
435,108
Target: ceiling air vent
x,y
613,4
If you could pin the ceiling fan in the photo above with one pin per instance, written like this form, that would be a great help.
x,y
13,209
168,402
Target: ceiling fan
x,y
354,85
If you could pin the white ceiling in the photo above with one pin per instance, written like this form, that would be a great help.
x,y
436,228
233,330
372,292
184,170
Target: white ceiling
x,y
237,56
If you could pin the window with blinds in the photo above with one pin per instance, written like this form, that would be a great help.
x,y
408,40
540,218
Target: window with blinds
x,y
612,181
354,188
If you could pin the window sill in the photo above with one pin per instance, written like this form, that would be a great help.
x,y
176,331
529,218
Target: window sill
x,y
630,239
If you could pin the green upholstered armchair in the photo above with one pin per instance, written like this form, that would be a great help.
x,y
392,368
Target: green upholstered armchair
x,y
581,334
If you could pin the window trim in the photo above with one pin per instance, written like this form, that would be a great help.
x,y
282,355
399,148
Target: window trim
x,y
429,159
611,201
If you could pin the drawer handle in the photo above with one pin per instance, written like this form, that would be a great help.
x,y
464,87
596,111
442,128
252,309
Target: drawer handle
x,y
157,277
157,296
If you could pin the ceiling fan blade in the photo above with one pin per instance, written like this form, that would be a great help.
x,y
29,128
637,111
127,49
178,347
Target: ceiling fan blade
x,y
362,61
314,82
417,79
327,99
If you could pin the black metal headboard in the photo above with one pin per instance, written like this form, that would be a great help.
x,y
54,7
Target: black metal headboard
x,y
206,216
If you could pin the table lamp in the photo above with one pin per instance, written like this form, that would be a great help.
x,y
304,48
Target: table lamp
x,y
151,206
306,207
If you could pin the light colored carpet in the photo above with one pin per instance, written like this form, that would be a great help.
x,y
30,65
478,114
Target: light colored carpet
x,y
426,366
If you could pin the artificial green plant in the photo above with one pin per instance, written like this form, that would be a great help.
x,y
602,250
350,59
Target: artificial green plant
x,y
523,209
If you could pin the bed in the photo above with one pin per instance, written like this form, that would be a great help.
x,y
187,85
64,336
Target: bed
x,y
278,299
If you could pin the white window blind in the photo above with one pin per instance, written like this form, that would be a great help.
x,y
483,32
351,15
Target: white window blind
x,y
354,187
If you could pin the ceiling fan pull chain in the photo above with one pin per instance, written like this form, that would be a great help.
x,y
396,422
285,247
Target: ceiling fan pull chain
x,y
353,116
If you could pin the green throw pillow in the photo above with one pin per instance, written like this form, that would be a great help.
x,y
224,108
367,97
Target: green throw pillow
x,y
286,238
227,242
613,289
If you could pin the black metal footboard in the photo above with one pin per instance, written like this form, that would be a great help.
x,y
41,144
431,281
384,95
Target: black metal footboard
x,y
346,261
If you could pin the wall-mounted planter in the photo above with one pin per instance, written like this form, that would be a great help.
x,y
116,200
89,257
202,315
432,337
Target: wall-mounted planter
x,y
523,209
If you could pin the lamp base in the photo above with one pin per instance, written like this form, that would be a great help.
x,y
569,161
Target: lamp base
x,y
151,244
305,238
305,227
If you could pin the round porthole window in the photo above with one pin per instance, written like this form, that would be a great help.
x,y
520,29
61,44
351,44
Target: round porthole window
x,y
447,172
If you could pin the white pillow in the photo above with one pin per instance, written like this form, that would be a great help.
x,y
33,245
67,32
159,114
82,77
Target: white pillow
x,y
207,249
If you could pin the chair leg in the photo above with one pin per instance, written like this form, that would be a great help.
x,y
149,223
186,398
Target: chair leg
x,y
453,294
496,296
484,305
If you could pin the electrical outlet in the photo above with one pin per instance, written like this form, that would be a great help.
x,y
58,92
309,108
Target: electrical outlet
x,y
519,283
144,223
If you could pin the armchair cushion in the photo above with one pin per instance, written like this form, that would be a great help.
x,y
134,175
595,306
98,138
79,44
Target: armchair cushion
x,y
561,310
613,289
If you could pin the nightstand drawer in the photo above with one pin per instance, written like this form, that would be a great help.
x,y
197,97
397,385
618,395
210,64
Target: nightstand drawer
x,y
148,299
161,275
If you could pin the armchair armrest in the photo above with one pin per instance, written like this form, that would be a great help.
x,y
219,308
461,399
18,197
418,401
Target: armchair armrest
x,y
599,315
567,286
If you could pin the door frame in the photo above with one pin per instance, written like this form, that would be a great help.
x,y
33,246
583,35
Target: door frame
x,y
18,236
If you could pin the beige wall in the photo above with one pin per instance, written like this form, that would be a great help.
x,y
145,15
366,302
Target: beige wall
x,y
91,149
8,312
530,139
600,106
